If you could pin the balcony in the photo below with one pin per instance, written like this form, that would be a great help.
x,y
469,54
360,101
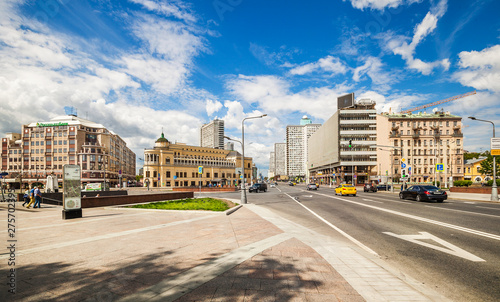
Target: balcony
x,y
394,135
416,135
457,135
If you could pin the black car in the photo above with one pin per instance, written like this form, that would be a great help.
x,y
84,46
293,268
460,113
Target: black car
x,y
423,192
369,188
259,187
384,187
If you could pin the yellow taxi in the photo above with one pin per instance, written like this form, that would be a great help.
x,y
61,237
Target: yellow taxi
x,y
345,189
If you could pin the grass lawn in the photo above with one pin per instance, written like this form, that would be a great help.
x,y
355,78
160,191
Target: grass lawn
x,y
204,204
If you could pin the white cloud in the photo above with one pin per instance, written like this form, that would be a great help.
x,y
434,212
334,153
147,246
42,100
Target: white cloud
x,y
327,64
375,4
373,67
399,45
480,69
174,8
274,96
212,106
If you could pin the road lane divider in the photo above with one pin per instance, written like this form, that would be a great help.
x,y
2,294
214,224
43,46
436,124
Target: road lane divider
x,y
354,240
431,221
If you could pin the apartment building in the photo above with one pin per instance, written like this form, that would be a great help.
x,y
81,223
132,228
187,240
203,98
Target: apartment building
x,y
297,137
421,141
272,165
280,160
177,165
331,159
43,148
212,134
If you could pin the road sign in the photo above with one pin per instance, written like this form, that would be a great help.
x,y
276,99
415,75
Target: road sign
x,y
409,170
495,146
403,159
403,165
386,172
439,167
120,172
200,169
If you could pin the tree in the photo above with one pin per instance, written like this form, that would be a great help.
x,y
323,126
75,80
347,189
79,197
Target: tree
x,y
138,177
487,166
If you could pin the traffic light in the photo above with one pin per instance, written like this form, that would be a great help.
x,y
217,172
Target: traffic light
x,y
403,172
350,143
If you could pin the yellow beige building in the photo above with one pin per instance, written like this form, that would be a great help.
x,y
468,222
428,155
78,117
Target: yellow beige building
x,y
471,170
177,165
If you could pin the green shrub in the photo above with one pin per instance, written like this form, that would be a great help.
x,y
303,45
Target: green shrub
x,y
462,183
490,183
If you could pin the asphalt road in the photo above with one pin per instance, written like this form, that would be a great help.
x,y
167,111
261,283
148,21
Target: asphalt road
x,y
453,246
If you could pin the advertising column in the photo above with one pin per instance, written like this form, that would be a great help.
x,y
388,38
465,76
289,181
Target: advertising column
x,y
72,202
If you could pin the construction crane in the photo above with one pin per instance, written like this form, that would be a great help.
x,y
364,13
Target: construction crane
x,y
438,102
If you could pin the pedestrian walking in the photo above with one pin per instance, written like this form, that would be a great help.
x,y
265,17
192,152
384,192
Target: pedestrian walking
x,y
26,197
38,197
32,197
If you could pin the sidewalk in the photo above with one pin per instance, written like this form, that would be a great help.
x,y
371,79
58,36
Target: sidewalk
x,y
117,254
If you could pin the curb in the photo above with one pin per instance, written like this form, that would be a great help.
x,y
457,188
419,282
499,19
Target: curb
x,y
234,209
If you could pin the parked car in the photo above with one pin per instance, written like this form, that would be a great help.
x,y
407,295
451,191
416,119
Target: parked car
x,y
369,188
312,187
421,193
272,185
345,189
291,184
258,187
384,187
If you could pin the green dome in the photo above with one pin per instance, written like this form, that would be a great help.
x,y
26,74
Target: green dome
x,y
162,139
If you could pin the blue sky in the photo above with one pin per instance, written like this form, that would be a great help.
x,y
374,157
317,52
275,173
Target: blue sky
x,y
139,66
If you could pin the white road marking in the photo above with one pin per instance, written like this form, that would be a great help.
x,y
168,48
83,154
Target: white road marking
x,y
497,209
337,229
450,248
372,200
443,224
496,216
470,202
309,196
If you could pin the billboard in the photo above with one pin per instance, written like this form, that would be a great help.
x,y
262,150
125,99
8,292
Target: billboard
x,y
71,187
345,101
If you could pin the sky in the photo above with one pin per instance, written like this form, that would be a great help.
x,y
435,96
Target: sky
x,y
140,66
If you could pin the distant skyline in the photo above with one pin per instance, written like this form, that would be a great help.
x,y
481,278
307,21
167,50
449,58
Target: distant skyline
x,y
139,66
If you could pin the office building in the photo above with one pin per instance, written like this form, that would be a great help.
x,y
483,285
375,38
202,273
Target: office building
x,y
43,148
212,135
177,165
331,159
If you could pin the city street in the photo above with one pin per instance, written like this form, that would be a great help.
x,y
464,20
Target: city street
x,y
452,247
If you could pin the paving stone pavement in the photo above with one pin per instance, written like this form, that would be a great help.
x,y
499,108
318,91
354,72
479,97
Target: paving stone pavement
x,y
122,254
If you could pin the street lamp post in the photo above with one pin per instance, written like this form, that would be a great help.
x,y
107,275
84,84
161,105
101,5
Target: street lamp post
x,y
243,196
494,192
243,192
